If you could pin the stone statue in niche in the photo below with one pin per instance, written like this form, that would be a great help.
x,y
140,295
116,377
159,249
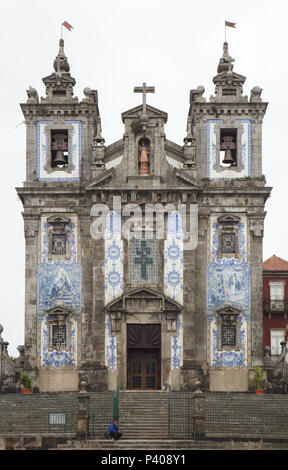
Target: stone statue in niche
x,y
144,157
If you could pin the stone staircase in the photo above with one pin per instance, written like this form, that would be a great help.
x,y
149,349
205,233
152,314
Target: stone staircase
x,y
143,414
169,445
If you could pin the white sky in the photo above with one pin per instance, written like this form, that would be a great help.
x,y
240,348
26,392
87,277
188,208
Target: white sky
x,y
114,46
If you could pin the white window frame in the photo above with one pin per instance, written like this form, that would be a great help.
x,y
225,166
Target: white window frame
x,y
277,293
277,335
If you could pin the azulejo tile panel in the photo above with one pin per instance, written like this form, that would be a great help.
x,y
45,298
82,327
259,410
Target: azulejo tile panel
x,y
177,345
228,283
43,153
59,285
113,280
110,345
113,258
65,358
212,148
173,280
229,359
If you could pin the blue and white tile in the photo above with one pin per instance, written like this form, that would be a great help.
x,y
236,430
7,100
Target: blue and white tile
x,y
43,153
177,344
58,284
113,280
228,282
173,280
54,358
232,358
110,345
113,258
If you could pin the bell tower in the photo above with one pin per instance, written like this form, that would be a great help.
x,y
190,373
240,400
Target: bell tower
x,y
64,149
223,148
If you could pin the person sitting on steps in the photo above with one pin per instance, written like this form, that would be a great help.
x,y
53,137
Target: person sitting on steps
x,y
113,431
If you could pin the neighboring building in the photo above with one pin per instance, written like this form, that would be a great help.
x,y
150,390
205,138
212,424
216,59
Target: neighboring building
x,y
143,313
275,303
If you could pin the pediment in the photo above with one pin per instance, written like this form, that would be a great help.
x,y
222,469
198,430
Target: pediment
x,y
58,310
236,77
143,300
64,78
227,310
191,180
150,110
100,179
58,219
228,219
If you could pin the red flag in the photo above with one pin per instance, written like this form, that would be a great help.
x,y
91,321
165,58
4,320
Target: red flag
x,y
67,25
232,25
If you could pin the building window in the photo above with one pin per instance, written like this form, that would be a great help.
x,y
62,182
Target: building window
x,y
228,240
59,237
228,329
277,295
228,233
228,336
59,244
144,259
59,324
59,336
276,337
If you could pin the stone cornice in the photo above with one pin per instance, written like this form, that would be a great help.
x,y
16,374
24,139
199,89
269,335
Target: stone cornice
x,y
151,111
44,110
215,109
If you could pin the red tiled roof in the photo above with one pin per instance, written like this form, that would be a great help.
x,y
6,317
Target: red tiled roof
x,y
274,263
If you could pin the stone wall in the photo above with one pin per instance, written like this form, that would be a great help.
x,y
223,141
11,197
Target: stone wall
x,y
211,416
29,414
245,415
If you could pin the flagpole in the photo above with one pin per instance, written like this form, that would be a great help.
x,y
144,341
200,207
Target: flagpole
x,y
61,31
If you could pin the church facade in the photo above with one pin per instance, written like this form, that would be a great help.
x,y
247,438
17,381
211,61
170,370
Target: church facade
x,y
143,257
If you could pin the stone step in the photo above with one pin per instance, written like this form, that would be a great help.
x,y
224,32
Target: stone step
x,y
156,444
142,411
142,419
142,424
148,409
143,415
140,401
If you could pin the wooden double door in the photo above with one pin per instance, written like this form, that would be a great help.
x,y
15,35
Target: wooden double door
x,y
143,369
144,357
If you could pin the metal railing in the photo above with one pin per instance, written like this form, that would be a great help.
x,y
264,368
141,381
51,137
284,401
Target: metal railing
x,y
103,408
275,306
180,414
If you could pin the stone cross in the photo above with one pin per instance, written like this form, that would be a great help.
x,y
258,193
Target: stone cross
x,y
144,89
143,258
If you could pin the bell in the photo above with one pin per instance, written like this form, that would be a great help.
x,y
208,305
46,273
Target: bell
x,y
59,159
228,158
228,143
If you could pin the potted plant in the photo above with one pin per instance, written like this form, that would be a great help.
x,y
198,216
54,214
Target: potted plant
x,y
259,380
26,383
